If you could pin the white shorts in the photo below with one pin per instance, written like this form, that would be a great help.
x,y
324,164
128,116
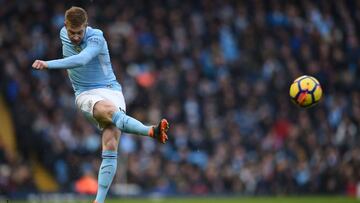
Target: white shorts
x,y
87,100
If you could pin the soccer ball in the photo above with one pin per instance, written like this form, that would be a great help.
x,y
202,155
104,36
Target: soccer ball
x,y
305,91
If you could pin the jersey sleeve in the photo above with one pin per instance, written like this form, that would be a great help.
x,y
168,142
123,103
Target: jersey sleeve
x,y
93,48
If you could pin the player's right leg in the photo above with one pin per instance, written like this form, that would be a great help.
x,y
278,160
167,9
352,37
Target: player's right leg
x,y
107,171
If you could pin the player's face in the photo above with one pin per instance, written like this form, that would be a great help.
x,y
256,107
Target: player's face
x,y
76,34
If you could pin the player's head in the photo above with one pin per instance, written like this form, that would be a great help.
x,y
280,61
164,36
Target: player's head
x,y
75,22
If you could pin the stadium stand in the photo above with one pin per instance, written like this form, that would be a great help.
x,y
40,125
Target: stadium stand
x,y
227,66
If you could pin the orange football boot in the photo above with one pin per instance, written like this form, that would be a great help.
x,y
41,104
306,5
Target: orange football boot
x,y
159,132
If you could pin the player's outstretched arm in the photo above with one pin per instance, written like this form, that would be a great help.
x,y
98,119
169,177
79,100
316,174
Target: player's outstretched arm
x,y
92,49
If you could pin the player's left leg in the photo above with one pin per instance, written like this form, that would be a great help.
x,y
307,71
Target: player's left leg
x,y
105,112
110,143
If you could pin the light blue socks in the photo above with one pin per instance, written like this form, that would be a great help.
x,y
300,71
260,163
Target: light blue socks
x,y
129,125
106,174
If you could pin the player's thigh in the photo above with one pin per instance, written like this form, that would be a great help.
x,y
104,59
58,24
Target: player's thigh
x,y
113,101
103,111
85,102
101,102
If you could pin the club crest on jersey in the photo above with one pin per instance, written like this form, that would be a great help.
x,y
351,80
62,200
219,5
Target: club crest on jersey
x,y
77,48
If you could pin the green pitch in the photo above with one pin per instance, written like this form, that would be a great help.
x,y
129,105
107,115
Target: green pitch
x,y
326,199
243,200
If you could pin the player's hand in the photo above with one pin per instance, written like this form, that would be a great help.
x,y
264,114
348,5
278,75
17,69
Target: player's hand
x,y
39,65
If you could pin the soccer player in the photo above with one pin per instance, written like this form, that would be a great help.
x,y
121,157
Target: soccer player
x,y
98,94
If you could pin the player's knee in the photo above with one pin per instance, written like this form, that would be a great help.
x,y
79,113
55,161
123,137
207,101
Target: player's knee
x,y
103,111
111,145
110,138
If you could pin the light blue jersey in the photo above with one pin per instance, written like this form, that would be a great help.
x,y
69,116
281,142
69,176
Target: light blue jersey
x,y
88,64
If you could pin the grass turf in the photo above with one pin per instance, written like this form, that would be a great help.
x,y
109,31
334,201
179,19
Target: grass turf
x,y
243,200
326,199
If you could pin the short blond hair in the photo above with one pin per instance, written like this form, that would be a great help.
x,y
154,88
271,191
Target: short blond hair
x,y
75,17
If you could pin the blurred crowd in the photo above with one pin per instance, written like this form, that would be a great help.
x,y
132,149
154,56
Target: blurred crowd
x,y
218,70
